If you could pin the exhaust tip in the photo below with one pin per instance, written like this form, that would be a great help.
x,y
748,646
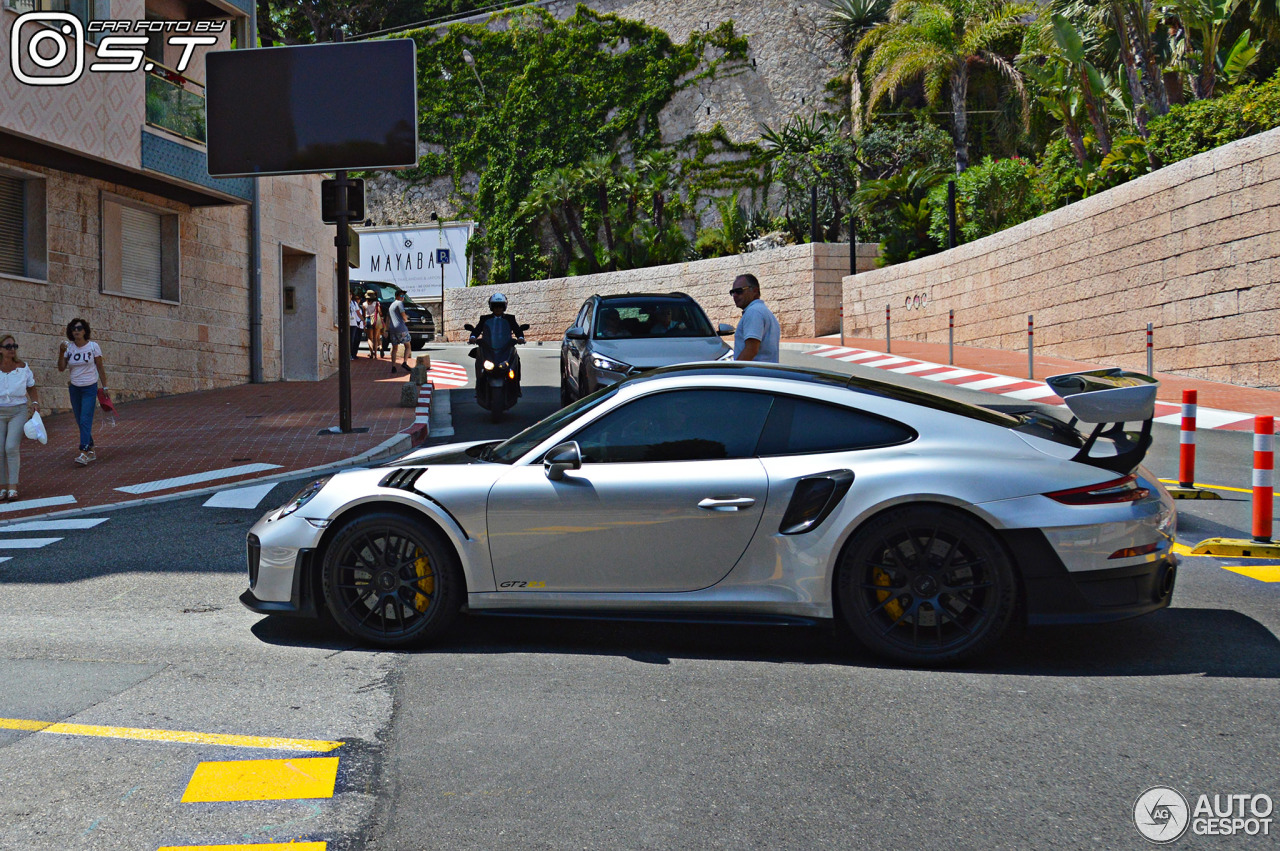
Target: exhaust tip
x,y
1168,576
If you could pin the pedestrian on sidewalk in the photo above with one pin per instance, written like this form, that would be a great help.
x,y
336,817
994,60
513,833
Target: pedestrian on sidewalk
x,y
356,324
373,322
758,333
399,330
84,358
18,399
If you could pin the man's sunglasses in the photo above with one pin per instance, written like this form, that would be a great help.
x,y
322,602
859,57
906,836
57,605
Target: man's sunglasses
x,y
737,291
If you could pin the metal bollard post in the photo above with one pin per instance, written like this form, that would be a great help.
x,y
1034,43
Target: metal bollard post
x,y
1149,350
1263,476
1031,347
888,341
1187,441
951,337
842,326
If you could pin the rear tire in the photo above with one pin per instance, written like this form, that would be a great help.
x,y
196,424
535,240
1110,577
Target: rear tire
x,y
391,581
926,585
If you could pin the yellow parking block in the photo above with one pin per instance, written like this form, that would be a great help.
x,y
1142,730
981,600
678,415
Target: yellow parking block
x,y
263,780
270,846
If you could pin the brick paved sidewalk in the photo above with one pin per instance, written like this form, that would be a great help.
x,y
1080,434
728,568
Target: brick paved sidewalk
x,y
249,426
1211,394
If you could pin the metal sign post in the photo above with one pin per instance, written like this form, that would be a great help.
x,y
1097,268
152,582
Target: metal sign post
x,y
343,307
442,259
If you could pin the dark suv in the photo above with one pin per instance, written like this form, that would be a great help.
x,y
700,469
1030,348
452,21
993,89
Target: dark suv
x,y
422,328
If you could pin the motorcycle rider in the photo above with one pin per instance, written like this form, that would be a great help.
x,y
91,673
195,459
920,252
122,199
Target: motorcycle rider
x,y
490,330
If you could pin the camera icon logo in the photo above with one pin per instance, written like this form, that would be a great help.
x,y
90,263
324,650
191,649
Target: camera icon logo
x,y
63,30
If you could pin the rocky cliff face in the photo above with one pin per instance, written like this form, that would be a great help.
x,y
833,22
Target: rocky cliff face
x,y
793,60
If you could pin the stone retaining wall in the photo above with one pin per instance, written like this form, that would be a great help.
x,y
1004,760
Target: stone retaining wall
x,y
1193,248
800,283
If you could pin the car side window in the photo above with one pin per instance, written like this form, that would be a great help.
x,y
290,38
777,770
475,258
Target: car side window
x,y
681,425
798,426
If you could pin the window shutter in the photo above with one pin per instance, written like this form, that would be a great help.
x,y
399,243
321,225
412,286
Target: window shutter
x,y
13,253
140,264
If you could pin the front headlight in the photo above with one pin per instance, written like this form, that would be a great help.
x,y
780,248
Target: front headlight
x,y
602,362
488,366
726,356
302,497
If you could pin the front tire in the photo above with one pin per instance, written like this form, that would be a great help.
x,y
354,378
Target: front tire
x,y
391,581
926,585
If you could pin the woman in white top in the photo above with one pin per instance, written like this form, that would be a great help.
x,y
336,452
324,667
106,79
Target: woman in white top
x,y
355,316
373,323
18,399
84,358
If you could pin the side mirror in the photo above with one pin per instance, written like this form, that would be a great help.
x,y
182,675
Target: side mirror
x,y
724,330
576,333
524,327
470,328
566,456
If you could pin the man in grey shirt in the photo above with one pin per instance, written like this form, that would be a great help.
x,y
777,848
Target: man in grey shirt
x,y
758,333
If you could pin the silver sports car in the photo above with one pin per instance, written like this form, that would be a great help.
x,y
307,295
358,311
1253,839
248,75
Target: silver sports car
x,y
748,492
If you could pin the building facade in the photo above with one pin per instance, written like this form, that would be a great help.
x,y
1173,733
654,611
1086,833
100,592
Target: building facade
x,y
107,210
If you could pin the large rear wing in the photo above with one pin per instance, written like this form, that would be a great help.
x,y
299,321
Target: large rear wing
x,y
1110,398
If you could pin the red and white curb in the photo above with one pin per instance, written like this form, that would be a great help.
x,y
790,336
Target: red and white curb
x,y
421,428
444,374
1015,388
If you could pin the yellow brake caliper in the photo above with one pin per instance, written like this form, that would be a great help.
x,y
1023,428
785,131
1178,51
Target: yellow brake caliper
x,y
893,608
426,581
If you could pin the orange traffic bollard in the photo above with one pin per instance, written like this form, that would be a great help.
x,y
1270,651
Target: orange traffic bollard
x,y
1187,441
1263,476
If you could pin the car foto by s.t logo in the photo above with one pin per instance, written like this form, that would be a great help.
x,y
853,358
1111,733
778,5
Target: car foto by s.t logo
x,y
1163,815
54,37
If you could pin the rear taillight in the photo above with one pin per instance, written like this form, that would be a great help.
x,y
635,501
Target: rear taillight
x,y
1117,490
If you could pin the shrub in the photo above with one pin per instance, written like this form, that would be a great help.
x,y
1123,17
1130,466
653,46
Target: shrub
x,y
990,196
1203,125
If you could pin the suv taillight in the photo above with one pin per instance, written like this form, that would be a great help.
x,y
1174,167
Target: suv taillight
x,y
1124,489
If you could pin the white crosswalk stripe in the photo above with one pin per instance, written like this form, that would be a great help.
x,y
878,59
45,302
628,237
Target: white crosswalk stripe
x,y
54,525
445,374
26,543
240,497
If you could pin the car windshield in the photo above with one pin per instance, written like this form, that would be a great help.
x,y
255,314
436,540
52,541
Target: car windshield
x,y
639,318
515,448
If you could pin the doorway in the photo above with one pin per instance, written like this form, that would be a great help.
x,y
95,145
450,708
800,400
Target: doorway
x,y
299,337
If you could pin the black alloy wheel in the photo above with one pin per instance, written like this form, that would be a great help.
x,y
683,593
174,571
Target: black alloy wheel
x,y
926,584
391,581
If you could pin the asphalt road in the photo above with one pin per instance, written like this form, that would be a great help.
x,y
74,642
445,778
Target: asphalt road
x,y
577,734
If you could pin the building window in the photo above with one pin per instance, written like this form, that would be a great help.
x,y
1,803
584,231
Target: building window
x,y
85,10
139,249
22,226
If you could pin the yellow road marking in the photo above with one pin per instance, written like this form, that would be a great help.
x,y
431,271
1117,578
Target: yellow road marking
x,y
169,736
1262,573
270,846
263,780
1214,487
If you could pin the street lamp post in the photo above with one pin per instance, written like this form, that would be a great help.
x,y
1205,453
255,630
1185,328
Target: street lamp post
x,y
471,61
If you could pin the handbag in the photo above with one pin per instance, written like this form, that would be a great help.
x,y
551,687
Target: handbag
x,y
34,429
105,401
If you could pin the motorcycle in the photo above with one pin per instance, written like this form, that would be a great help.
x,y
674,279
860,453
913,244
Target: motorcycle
x,y
497,387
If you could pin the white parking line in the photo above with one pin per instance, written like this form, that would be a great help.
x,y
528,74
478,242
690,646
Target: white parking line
x,y
27,543
54,525
6,558
240,497
23,504
195,478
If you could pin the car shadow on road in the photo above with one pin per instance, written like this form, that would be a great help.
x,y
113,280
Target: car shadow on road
x,y
1208,642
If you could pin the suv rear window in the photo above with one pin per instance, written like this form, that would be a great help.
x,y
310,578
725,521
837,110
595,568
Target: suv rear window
x,y
659,318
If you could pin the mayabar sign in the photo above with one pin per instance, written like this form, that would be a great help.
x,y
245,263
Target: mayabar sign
x,y
408,257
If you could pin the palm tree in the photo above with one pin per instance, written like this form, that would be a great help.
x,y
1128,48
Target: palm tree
x,y
596,174
540,202
562,188
848,21
937,42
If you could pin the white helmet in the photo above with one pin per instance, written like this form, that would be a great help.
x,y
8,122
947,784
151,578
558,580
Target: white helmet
x,y
497,298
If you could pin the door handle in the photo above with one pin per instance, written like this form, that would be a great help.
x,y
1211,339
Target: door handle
x,y
726,503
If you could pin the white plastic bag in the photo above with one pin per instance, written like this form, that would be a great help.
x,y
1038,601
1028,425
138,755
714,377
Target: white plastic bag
x,y
34,428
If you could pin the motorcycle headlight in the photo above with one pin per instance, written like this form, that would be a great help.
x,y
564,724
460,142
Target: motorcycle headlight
x,y
302,497
726,356
602,362
488,366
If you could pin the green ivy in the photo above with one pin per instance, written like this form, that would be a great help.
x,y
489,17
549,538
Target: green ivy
x,y
543,94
